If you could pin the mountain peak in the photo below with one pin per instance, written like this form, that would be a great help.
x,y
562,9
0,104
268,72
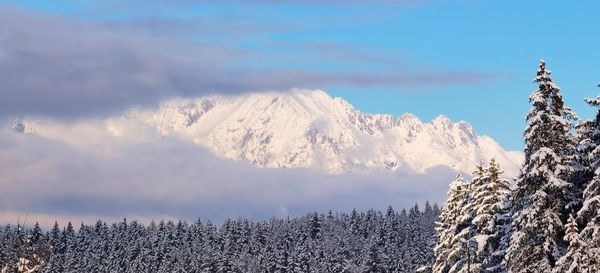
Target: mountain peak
x,y
442,121
311,129
409,116
22,127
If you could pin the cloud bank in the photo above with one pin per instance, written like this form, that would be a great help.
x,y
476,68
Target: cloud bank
x,y
75,72
86,175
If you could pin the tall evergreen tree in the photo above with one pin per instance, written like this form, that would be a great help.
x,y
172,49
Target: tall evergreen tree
x,y
477,241
373,263
589,214
499,206
587,154
489,209
447,225
543,192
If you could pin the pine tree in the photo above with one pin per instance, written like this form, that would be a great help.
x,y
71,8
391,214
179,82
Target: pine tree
x,y
589,214
586,163
542,193
587,155
489,210
391,240
447,225
69,244
374,263
315,226
55,261
501,238
473,221
576,259
472,229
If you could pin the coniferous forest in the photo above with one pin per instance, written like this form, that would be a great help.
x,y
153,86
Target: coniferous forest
x,y
370,241
546,220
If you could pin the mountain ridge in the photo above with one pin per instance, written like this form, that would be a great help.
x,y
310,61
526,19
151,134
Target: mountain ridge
x,y
310,129
301,129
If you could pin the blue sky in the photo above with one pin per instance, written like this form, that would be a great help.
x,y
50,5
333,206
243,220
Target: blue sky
x,y
73,64
491,47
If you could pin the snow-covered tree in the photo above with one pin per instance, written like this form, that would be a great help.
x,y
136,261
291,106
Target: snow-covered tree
x,y
587,154
543,192
347,243
447,225
577,258
490,217
374,262
477,239
589,214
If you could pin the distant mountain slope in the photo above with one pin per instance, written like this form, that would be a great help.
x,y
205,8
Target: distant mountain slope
x,y
310,129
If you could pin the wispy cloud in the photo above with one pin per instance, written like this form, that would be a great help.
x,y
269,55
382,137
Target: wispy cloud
x,y
51,66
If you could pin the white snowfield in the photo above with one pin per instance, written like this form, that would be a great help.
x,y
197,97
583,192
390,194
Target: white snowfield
x,y
310,129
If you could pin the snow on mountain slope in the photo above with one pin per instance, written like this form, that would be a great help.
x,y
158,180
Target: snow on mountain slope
x,y
310,129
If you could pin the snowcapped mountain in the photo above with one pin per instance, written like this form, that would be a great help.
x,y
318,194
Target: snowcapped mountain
x,y
310,129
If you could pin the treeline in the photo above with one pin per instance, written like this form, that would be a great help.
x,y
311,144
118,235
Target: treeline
x,y
371,241
550,221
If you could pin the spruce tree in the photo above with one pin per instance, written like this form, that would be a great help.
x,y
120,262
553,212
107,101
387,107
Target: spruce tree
x,y
587,155
475,227
489,209
373,263
447,225
589,214
577,258
543,192
500,238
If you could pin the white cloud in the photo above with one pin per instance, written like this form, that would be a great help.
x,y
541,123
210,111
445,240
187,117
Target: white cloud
x,y
80,173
